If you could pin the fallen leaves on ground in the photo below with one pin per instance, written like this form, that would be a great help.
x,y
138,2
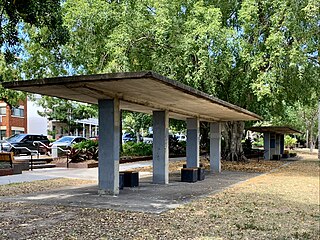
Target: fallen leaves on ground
x,y
283,204
252,165
40,186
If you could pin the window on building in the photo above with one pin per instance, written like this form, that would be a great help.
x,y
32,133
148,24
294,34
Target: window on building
x,y
17,112
2,110
17,132
2,134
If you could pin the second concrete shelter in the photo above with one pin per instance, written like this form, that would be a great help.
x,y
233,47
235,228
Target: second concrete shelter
x,y
273,139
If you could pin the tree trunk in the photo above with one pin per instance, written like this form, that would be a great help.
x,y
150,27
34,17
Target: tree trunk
x,y
120,139
233,134
311,137
307,137
205,139
319,131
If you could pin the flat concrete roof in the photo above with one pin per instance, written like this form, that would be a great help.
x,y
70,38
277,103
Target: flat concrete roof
x,y
275,129
139,92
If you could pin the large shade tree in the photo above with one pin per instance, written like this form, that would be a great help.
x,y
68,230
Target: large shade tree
x,y
15,16
259,54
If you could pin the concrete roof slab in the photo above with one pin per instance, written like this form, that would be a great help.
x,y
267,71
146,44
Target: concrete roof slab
x,y
275,129
140,92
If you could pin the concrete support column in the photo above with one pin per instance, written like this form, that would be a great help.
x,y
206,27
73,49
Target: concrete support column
x,y
109,134
281,143
277,144
193,141
160,147
90,130
215,147
96,131
83,130
266,145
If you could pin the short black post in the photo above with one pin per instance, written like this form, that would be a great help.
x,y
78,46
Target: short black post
x,y
189,174
67,160
201,173
131,178
276,157
121,180
31,162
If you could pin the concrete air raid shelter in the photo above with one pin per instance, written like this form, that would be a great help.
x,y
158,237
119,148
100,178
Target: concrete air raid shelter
x,y
273,140
145,92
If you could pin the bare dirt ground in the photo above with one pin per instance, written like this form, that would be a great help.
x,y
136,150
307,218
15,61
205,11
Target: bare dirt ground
x,y
283,204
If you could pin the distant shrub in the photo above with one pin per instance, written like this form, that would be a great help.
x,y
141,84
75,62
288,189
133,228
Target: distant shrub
x,y
85,150
258,142
136,149
290,142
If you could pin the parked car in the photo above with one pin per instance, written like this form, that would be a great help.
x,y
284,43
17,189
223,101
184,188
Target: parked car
x,y
148,139
181,137
23,144
67,141
129,137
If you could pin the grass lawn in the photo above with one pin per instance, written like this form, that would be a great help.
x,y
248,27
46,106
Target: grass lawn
x,y
283,204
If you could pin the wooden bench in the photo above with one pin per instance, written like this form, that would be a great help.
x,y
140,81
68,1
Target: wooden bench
x,y
7,157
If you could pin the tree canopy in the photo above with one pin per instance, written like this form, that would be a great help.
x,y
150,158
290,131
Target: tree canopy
x,y
45,19
262,55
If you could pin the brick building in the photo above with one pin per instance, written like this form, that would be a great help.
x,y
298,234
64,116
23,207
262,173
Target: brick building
x,y
12,121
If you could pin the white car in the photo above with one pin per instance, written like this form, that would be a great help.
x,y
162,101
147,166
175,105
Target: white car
x,y
181,137
148,139
67,141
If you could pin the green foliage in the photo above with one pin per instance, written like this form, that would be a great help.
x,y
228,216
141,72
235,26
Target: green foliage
x,y
65,111
85,150
290,142
9,72
246,52
133,122
258,142
43,19
44,15
262,55
136,149
88,144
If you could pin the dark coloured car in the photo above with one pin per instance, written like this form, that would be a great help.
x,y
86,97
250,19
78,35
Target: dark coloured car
x,y
24,144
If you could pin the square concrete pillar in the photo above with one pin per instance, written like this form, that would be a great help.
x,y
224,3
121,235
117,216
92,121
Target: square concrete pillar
x,y
281,143
215,147
109,135
160,147
278,147
266,145
193,142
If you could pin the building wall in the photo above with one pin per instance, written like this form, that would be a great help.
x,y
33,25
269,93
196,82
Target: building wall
x,y
13,120
36,124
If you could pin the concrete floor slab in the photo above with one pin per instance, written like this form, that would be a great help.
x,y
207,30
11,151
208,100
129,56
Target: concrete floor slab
x,y
147,197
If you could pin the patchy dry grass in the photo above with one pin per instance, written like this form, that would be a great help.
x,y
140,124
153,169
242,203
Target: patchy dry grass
x,y
40,186
252,165
283,204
